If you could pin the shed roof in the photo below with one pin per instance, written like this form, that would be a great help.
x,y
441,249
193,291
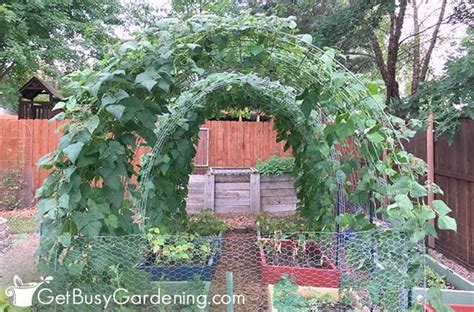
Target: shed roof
x,y
36,86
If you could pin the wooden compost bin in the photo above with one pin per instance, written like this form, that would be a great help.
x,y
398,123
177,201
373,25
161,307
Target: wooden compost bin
x,y
241,190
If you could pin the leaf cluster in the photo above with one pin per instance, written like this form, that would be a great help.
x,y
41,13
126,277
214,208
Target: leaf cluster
x,y
275,165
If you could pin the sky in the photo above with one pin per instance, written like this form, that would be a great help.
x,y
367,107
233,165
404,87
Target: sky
x,y
451,35
446,47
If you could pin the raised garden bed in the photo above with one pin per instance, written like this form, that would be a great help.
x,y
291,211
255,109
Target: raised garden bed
x,y
310,266
194,268
287,296
460,299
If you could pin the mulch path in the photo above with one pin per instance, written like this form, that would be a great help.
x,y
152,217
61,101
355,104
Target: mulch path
x,y
238,220
26,212
453,265
241,257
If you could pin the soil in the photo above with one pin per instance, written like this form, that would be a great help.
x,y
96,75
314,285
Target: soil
x,y
20,260
242,220
453,265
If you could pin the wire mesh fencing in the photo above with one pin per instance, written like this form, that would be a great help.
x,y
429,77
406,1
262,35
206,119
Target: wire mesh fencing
x,y
362,271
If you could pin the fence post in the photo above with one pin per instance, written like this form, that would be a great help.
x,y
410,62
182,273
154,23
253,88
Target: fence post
x,y
431,168
255,192
209,190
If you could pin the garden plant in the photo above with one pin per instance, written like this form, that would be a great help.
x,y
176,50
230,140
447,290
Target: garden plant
x,y
156,90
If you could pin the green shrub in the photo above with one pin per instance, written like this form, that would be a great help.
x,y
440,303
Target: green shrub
x,y
276,165
268,224
206,223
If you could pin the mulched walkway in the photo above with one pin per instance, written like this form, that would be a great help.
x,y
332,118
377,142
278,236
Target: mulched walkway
x,y
240,256
27,212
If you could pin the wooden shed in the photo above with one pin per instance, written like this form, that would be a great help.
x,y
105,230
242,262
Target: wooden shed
x,y
37,101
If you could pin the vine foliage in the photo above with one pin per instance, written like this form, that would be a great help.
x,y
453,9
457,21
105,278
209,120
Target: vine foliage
x,y
156,90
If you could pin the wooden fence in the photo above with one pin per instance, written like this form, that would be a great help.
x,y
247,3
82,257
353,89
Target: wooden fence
x,y
454,173
222,144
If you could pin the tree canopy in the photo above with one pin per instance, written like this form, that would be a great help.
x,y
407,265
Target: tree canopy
x,y
449,98
52,38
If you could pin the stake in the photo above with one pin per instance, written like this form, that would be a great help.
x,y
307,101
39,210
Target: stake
x,y
431,173
229,277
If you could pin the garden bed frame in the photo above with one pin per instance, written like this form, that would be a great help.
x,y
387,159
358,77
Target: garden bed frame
x,y
460,299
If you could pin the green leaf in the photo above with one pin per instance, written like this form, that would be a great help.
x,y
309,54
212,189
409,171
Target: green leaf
x,y
45,161
113,181
194,68
307,38
65,239
115,110
46,206
375,138
256,49
63,201
417,190
88,222
73,150
112,221
447,223
164,85
404,203
129,45
75,269
92,123
114,97
59,105
148,78
427,214
440,207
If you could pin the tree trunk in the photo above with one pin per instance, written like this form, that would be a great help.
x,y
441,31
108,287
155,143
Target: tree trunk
x,y
416,49
388,70
5,71
434,38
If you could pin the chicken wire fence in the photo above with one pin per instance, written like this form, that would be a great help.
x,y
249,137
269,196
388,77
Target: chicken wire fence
x,y
373,271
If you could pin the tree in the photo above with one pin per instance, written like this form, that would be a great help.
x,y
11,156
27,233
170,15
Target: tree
x,y
448,98
51,37
416,48
332,23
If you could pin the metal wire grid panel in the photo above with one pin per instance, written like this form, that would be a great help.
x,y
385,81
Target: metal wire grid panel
x,y
350,271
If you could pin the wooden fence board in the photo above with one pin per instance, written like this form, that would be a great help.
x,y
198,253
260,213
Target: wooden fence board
x,y
454,173
230,144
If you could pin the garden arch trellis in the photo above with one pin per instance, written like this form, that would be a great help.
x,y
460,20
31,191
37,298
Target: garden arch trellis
x,y
149,76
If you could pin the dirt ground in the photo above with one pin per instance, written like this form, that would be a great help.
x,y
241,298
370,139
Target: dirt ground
x,y
20,260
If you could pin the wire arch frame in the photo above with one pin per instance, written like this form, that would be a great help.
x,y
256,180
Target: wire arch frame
x,y
196,96
305,64
188,105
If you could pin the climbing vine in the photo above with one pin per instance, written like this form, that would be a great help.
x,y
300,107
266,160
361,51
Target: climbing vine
x,y
179,74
